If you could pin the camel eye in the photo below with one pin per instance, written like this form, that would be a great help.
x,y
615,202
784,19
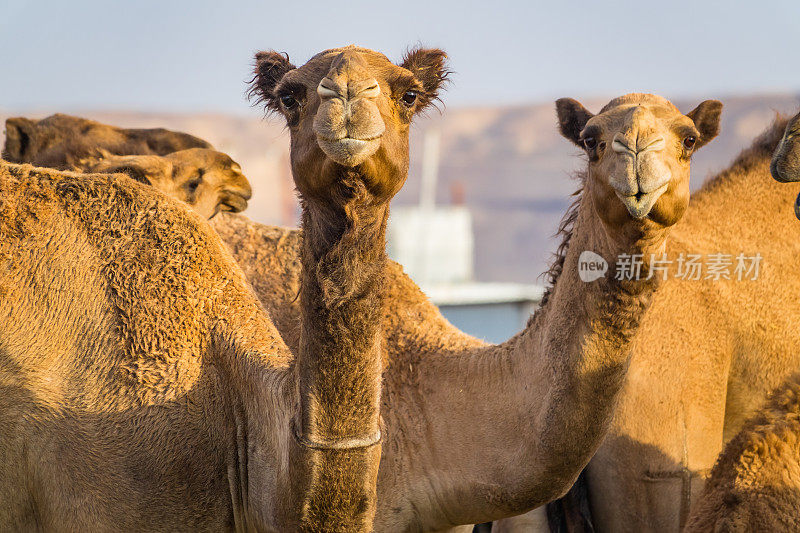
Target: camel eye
x,y
288,101
590,143
689,142
409,98
194,184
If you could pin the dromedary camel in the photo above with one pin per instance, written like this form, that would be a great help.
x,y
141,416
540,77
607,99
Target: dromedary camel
x,y
755,485
143,387
560,375
207,180
59,141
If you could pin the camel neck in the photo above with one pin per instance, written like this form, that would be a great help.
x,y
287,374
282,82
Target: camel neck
x,y
339,360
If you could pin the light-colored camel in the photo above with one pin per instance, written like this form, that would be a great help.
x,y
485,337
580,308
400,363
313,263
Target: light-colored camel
x,y
142,387
538,369
59,141
207,180
755,484
709,351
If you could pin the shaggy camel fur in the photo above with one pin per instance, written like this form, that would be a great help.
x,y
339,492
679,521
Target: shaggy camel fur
x,y
59,141
454,454
207,180
166,399
755,485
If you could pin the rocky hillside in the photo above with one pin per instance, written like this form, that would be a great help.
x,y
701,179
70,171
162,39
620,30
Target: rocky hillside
x,y
507,164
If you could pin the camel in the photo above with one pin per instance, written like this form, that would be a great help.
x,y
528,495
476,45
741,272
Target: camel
x,y
207,180
155,393
785,166
755,484
563,371
180,165
708,353
59,141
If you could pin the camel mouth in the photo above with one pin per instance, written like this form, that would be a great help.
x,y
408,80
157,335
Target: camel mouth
x,y
348,151
640,203
233,203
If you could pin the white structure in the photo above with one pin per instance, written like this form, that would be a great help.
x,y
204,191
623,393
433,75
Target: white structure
x,y
435,245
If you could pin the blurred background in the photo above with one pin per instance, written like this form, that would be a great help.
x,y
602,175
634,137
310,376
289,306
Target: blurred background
x,y
497,176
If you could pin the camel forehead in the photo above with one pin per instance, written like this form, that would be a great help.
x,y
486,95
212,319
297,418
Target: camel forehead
x,y
645,109
645,99
318,66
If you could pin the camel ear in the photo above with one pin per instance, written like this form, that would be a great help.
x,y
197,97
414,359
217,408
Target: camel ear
x,y
270,67
429,66
19,136
706,120
572,118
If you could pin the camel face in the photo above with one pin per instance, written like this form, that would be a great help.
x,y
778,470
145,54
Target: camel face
x,y
59,141
207,180
639,148
349,108
785,165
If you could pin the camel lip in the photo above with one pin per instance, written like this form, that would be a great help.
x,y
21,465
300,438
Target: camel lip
x,y
234,203
640,203
347,138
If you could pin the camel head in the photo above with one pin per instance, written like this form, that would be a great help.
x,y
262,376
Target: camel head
x,y
59,141
786,160
207,180
639,149
349,109
785,164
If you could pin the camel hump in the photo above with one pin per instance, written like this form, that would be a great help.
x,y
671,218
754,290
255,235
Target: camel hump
x,y
139,288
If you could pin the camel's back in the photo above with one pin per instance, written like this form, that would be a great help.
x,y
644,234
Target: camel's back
x,y
110,292
755,484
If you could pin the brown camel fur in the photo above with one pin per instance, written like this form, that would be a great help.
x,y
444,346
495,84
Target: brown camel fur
x,y
755,485
562,372
59,141
143,388
207,180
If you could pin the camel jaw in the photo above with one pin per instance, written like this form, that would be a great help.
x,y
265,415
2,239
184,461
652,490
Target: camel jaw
x,y
640,204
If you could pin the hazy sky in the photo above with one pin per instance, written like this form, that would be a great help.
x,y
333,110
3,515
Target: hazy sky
x,y
196,55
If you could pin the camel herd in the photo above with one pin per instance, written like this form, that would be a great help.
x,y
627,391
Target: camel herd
x,y
167,364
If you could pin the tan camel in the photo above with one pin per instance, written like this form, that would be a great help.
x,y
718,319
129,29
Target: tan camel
x,y
59,141
143,387
755,484
207,180
708,352
562,372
